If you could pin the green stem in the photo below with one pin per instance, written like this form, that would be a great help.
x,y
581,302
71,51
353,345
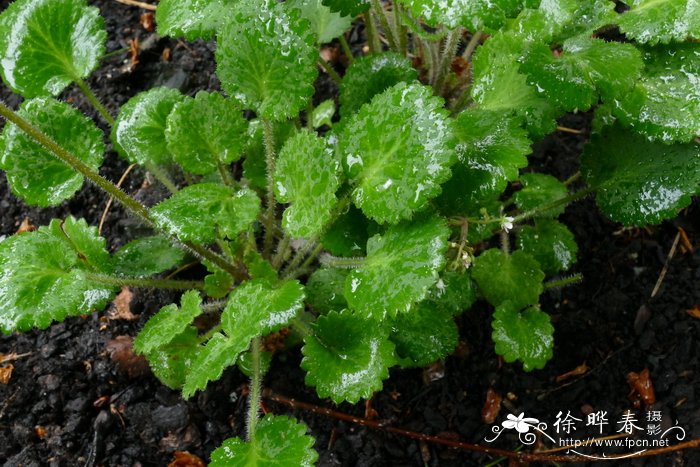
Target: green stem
x,y
343,263
162,176
346,48
564,282
545,207
210,333
401,32
148,283
312,256
255,390
329,69
129,203
448,53
372,37
572,179
95,101
472,44
282,251
302,327
384,21
269,140
225,175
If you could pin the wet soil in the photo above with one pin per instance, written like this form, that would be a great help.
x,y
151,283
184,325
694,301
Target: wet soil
x,y
68,403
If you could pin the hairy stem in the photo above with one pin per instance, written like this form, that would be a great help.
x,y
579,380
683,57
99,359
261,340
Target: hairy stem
x,y
255,390
384,21
564,281
269,139
225,174
148,283
282,251
330,70
162,176
448,53
472,44
572,179
341,262
400,29
95,101
547,206
372,37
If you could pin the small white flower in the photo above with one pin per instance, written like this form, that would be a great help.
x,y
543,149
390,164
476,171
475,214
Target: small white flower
x,y
507,223
520,423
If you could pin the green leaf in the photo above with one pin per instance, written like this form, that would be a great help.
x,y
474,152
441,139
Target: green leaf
x,y
540,189
398,150
254,308
245,363
192,19
172,362
665,103
254,165
637,181
45,275
453,293
568,18
306,175
348,7
323,114
219,210
501,277
139,132
325,23
401,266
324,289
218,283
33,173
264,58
169,322
424,335
551,243
259,268
475,15
347,357
654,21
524,336
348,235
585,68
45,45
371,75
147,256
205,132
278,441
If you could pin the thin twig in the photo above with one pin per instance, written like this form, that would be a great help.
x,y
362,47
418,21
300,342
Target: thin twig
x,y
569,130
145,6
111,198
664,270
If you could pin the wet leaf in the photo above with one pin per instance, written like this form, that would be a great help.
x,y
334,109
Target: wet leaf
x,y
279,441
653,21
325,23
348,7
347,357
423,335
524,336
44,275
171,363
221,210
397,151
324,289
514,278
265,58
168,323
205,132
638,181
348,235
551,243
371,75
538,190
192,19
307,176
454,292
139,132
452,13
45,45
400,267
323,114
147,256
33,173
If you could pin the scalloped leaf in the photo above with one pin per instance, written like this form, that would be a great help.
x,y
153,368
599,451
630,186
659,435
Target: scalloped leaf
x,y
585,68
424,335
35,174
371,75
501,277
540,189
147,256
278,441
568,18
169,322
453,293
45,275
324,289
665,103
347,357
192,19
139,132
254,308
265,59
654,21
400,267
524,336
638,181
206,132
306,175
474,15
326,24
172,362
220,210
398,150
45,45
551,243
348,235
348,7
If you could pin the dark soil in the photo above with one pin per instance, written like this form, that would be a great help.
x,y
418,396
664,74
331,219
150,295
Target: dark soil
x,y
69,404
